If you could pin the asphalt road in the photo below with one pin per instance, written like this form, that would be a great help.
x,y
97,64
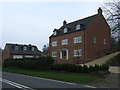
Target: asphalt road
x,y
10,80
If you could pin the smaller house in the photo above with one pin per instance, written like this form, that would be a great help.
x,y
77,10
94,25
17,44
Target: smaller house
x,y
19,51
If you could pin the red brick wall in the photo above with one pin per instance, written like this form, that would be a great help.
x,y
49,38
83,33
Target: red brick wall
x,y
5,54
70,46
101,31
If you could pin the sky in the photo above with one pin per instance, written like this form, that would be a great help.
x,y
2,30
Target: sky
x,y
33,22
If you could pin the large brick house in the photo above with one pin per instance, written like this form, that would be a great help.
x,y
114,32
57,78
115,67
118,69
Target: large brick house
x,y
17,51
85,39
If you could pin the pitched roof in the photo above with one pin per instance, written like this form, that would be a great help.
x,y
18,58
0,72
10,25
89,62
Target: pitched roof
x,y
20,50
72,26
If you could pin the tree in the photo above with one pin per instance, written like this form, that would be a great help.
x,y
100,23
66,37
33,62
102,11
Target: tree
x,y
112,13
0,52
45,49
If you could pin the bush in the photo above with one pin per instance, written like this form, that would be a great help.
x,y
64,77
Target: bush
x,y
91,69
78,68
85,69
42,63
104,67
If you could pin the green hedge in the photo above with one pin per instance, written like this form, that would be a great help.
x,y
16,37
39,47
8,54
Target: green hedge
x,y
46,63
78,68
42,63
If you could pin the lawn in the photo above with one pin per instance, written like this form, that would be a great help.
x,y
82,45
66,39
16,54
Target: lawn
x,y
62,76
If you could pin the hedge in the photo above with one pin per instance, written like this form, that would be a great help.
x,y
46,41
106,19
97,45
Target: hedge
x,y
42,63
46,63
78,68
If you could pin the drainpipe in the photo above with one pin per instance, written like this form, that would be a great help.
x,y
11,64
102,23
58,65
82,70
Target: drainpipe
x,y
84,48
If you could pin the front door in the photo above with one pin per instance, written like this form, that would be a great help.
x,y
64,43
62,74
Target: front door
x,y
64,54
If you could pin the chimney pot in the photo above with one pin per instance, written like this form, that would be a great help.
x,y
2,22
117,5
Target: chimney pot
x,y
64,22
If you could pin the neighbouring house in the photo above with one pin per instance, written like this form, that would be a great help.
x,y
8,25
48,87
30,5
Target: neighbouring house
x,y
80,41
18,51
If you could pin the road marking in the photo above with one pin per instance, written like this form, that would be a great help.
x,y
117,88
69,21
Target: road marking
x,y
15,84
90,86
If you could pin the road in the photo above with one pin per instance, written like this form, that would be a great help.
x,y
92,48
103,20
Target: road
x,y
10,80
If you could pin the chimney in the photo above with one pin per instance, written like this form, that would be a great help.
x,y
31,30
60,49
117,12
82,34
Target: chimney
x,y
99,11
64,22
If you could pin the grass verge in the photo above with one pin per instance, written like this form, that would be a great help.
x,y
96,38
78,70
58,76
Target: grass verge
x,y
62,76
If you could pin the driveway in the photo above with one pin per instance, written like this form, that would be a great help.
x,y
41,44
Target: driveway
x,y
102,60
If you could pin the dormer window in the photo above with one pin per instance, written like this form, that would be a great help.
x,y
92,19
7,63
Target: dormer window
x,y
77,27
24,48
55,33
16,47
33,49
65,30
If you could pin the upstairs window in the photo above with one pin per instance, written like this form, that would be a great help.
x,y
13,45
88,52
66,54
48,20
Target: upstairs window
x,y
54,43
33,49
77,27
94,39
78,52
55,33
65,42
65,30
104,41
77,39
24,48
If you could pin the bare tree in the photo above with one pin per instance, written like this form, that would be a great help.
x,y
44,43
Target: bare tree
x,y
112,12
45,49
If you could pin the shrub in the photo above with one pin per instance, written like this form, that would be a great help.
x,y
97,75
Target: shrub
x,y
91,69
42,63
85,69
104,67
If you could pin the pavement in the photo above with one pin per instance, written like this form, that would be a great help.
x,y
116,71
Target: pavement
x,y
110,81
114,69
10,80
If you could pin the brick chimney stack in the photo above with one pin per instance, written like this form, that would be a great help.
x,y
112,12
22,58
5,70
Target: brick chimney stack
x,y
99,11
64,22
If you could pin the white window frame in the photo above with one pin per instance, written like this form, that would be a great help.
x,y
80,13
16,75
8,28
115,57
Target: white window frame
x,y
17,56
54,43
104,41
65,30
28,56
54,54
94,39
78,27
33,48
25,48
65,42
79,51
77,39
55,33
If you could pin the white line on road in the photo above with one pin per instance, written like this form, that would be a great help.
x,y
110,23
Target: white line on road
x,y
15,84
90,86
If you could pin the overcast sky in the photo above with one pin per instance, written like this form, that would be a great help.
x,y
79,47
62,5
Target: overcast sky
x,y
34,22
